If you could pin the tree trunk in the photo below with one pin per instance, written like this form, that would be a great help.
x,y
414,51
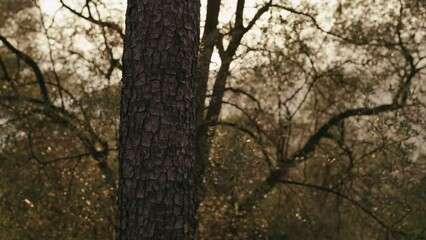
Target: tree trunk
x,y
210,36
157,136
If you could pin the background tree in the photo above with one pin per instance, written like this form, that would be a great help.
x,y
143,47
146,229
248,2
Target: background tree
x,y
299,74
58,125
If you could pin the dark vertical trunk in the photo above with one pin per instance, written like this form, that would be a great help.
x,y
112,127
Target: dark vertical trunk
x,y
203,136
210,36
208,42
156,195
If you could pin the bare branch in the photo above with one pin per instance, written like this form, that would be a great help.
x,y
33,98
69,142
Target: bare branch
x,y
315,138
52,62
245,93
4,69
34,66
271,163
403,91
316,24
91,19
343,196
258,14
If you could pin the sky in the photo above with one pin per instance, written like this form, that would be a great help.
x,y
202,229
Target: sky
x,y
51,6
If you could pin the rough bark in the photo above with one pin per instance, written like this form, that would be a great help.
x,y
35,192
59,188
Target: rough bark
x,y
157,136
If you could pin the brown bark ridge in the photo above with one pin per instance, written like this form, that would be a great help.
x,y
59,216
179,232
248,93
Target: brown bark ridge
x,y
157,128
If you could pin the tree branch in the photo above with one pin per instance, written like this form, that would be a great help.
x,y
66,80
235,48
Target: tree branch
x,y
5,72
258,14
239,14
271,163
343,196
34,67
91,19
316,24
245,93
315,138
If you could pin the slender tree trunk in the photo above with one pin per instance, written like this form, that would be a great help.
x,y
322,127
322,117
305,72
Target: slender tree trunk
x,y
210,36
157,136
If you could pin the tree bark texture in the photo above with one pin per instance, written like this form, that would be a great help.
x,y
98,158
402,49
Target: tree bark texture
x,y
157,128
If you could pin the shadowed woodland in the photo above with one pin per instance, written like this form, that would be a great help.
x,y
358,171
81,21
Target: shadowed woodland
x,y
310,119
